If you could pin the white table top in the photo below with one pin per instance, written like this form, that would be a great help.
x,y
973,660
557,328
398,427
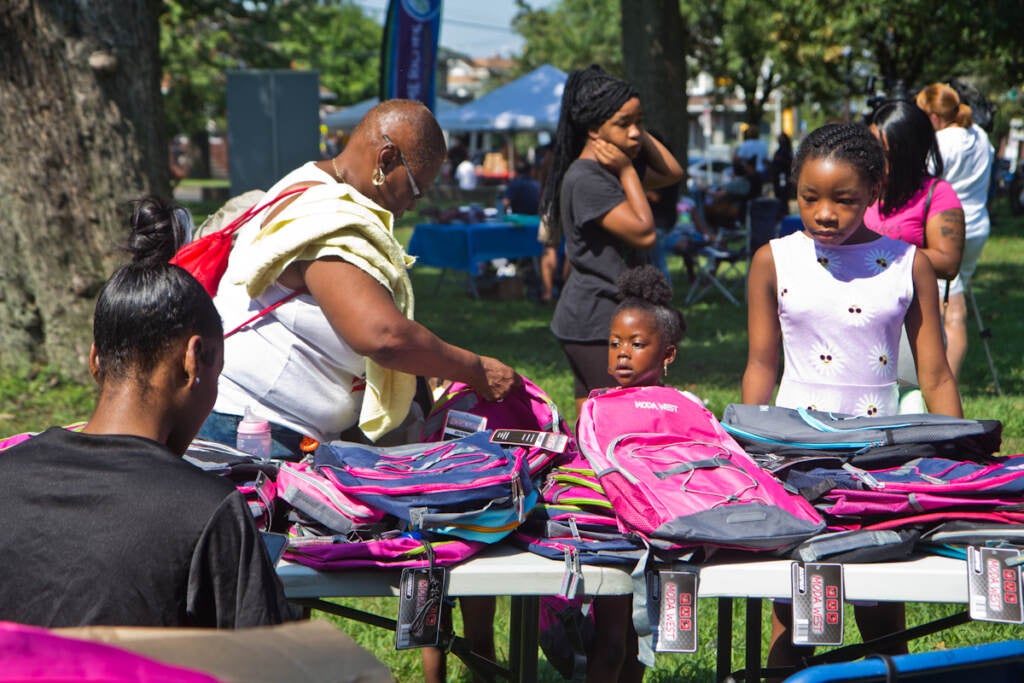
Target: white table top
x,y
505,570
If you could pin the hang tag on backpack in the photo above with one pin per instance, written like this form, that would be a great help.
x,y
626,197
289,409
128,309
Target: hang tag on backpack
x,y
458,424
423,591
677,611
549,441
994,584
817,603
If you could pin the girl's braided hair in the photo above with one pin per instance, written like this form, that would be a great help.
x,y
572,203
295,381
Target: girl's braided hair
x,y
645,288
851,143
591,97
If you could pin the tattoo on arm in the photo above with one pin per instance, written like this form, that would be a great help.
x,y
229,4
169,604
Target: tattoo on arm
x,y
952,226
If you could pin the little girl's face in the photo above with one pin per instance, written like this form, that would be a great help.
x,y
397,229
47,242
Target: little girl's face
x,y
832,196
636,353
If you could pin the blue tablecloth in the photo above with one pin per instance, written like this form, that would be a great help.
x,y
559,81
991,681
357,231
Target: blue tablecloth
x,y
462,246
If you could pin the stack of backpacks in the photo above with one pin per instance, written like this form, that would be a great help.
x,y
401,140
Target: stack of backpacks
x,y
889,486
650,475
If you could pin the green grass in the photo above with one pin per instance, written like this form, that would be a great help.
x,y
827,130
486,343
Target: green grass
x,y
711,363
204,182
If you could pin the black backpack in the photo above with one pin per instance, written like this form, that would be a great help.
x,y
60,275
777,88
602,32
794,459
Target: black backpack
x,y
870,442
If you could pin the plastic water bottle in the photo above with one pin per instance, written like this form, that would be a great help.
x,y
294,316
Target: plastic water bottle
x,y
253,436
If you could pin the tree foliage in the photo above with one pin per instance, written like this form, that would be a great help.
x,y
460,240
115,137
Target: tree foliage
x,y
571,34
202,39
818,52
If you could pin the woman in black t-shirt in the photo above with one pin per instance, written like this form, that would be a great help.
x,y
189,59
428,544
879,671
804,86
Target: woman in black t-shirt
x,y
602,162
109,526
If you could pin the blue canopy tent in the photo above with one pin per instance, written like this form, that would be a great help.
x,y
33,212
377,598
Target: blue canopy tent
x,y
529,103
347,117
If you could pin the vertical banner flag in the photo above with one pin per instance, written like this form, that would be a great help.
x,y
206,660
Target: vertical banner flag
x,y
409,50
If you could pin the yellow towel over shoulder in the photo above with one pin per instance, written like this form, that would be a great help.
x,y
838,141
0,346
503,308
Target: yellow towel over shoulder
x,y
336,220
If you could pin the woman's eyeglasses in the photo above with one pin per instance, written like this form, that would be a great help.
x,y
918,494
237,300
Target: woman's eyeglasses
x,y
416,194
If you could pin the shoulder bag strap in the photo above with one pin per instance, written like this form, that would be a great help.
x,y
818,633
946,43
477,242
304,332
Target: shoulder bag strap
x,y
235,225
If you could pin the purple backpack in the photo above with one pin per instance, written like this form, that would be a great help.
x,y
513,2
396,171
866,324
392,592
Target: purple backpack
x,y
396,551
674,474
853,497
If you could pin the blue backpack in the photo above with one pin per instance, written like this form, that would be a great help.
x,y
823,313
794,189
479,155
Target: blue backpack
x,y
469,488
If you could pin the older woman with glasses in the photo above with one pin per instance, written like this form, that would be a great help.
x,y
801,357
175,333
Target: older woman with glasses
x,y
338,358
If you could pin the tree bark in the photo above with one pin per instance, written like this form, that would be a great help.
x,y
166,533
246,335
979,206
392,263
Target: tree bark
x,y
81,133
654,49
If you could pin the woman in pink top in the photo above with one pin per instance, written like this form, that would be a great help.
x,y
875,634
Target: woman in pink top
x,y
915,206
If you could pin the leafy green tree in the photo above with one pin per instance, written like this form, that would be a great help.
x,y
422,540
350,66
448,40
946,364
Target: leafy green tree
x,y
339,41
202,39
571,34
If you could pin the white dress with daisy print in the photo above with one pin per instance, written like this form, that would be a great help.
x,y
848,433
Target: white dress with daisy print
x,y
841,309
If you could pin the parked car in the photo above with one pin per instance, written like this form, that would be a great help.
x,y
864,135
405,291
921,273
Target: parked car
x,y
698,175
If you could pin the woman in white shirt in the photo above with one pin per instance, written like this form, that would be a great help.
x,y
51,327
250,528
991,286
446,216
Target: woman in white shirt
x,y
967,161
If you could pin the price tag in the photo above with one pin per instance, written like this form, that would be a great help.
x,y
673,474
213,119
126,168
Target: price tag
x,y
423,591
677,611
556,443
458,424
817,603
994,585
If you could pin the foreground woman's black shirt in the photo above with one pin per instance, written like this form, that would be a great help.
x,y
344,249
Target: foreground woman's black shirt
x,y
118,530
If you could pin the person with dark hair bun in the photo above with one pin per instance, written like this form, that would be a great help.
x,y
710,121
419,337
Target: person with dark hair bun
x,y
109,526
646,329
602,162
643,340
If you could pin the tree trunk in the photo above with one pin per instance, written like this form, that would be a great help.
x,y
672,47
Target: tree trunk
x,y
81,133
654,48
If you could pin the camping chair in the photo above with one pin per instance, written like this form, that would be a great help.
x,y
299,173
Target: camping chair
x,y
722,265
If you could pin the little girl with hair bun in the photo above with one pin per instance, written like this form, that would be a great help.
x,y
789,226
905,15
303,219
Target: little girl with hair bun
x,y
645,331
643,340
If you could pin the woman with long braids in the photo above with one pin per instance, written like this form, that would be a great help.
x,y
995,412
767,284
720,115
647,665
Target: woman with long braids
x,y
602,162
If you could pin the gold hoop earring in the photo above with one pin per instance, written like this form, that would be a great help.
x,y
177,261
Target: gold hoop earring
x,y
378,177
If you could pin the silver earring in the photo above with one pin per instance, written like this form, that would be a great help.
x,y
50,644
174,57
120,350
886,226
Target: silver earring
x,y
197,380
378,177
666,369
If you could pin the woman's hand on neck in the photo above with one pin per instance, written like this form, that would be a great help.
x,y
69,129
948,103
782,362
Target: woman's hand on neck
x,y
606,154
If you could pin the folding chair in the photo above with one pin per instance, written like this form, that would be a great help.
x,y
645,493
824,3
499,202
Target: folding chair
x,y
721,266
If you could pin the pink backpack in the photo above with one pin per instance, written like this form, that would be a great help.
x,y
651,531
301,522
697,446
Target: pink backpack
x,y
31,654
526,407
851,497
674,474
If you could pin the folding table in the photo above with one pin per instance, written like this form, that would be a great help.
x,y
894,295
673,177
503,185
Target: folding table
x,y
464,246
505,570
